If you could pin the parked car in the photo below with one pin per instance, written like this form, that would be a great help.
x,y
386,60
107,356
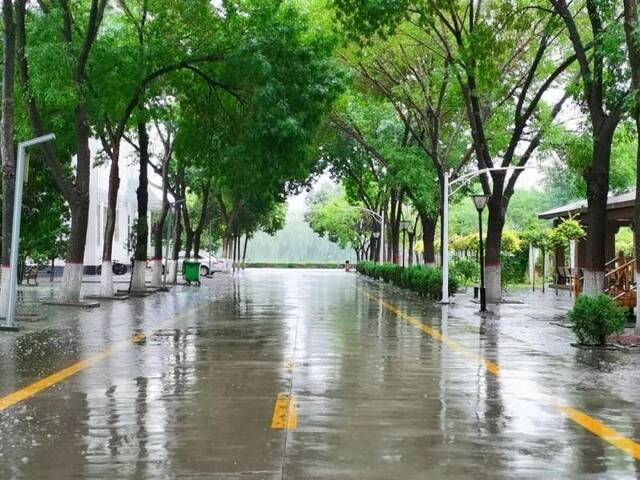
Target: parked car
x,y
205,260
117,268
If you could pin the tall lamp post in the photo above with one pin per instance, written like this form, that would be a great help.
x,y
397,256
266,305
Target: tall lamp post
x,y
480,201
10,314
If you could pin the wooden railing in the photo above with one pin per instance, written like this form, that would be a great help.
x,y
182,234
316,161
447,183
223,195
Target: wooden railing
x,y
621,277
621,284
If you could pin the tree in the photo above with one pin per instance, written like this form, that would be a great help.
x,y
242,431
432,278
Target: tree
x,y
284,79
52,70
596,42
407,71
632,36
342,223
6,145
141,47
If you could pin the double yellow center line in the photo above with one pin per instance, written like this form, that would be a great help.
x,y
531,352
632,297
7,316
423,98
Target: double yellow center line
x,y
608,434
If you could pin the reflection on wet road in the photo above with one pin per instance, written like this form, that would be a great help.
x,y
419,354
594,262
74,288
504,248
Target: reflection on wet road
x,y
310,375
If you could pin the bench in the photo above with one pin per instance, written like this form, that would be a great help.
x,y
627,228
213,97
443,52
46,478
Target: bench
x,y
31,274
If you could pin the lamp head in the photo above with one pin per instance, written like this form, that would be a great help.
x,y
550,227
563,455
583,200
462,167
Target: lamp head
x,y
376,235
480,201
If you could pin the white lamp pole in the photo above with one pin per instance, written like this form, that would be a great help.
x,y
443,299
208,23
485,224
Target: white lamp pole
x,y
10,314
445,240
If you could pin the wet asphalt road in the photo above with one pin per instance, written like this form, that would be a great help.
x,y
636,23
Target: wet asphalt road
x,y
375,396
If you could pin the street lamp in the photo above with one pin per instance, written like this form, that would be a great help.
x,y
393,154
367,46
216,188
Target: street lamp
x,y
480,201
10,314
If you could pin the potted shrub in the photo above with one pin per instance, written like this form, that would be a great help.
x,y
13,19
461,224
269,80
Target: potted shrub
x,y
596,318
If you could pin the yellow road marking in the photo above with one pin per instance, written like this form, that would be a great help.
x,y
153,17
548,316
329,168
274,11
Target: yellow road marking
x,y
608,434
285,412
436,335
57,377
601,430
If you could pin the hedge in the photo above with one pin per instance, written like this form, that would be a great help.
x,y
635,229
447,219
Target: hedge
x,y
422,279
328,265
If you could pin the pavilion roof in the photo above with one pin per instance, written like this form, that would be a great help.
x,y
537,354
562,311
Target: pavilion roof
x,y
615,201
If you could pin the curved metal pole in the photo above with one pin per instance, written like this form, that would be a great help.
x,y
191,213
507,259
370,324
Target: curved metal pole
x,y
10,314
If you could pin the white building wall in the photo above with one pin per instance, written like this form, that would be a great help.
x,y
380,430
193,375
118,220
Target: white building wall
x,y
126,211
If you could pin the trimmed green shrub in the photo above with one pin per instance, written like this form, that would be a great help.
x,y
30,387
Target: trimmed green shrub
x,y
466,269
422,279
329,265
514,266
595,318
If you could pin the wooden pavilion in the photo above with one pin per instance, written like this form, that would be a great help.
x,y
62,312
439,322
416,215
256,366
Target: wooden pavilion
x,y
620,280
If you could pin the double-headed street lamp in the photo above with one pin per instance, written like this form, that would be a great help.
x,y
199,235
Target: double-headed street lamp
x,y
480,201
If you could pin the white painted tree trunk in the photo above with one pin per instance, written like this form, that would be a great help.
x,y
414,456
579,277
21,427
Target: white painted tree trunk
x,y
106,279
4,290
172,274
156,273
492,277
138,282
71,282
593,282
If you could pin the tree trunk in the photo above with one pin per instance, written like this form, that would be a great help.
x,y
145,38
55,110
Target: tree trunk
x,y
8,153
188,247
177,246
244,251
633,48
597,178
106,275
142,224
428,239
74,265
410,253
373,246
197,240
495,225
396,217
197,233
157,232
188,230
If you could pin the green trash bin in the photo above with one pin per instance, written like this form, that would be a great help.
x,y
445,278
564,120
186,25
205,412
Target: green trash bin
x,y
191,271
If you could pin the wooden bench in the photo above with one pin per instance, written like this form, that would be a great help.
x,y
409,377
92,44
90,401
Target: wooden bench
x,y
32,274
